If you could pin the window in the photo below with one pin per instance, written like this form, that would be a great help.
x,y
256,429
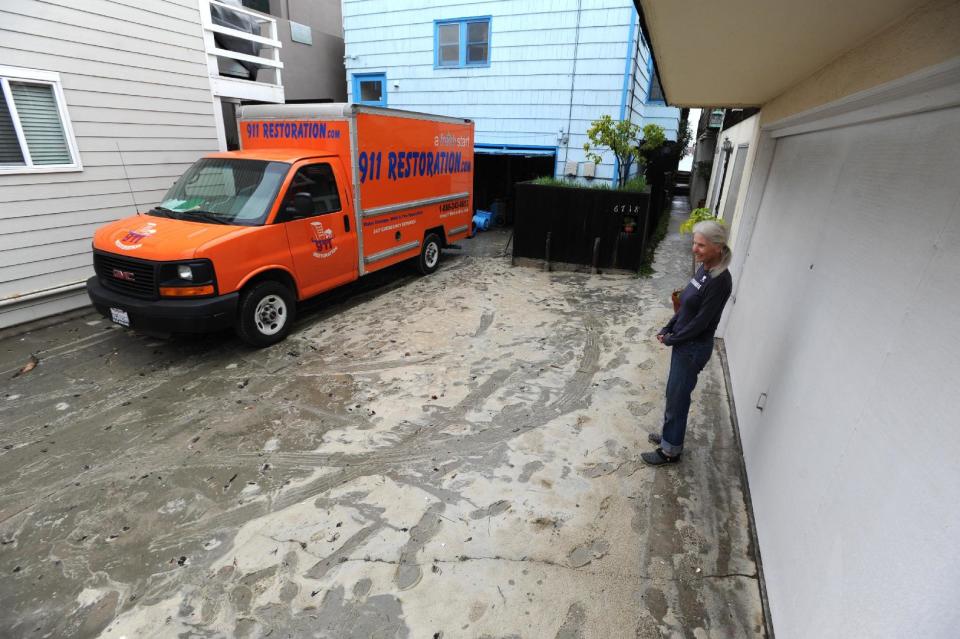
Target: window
x,y
654,90
370,88
263,6
317,181
225,191
35,131
464,42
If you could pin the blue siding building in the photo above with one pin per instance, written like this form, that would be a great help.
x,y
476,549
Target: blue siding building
x,y
532,75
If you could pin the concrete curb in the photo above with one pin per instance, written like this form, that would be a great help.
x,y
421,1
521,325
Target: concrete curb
x,y
767,617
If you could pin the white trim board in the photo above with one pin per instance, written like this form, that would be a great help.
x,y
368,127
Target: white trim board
x,y
937,87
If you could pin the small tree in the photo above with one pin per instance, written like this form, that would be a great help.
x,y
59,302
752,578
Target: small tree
x,y
654,137
684,135
622,139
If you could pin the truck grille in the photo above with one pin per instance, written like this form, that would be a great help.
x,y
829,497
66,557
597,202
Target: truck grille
x,y
136,278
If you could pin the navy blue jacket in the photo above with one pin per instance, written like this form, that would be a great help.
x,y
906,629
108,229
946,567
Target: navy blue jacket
x,y
701,305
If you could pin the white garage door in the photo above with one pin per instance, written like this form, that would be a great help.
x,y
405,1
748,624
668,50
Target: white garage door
x,y
848,318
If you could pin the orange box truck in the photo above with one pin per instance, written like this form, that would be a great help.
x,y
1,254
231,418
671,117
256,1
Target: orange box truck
x,y
318,196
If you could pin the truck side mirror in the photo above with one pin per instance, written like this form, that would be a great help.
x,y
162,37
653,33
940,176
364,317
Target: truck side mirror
x,y
299,207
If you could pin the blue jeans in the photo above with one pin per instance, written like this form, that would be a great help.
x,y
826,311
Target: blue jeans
x,y
686,362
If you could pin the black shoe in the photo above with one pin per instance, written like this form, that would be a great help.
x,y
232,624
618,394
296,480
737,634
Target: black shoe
x,y
654,439
658,457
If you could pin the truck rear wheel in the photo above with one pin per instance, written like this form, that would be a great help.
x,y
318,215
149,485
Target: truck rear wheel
x,y
429,254
266,313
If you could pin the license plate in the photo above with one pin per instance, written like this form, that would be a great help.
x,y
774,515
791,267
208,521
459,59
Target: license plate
x,y
120,317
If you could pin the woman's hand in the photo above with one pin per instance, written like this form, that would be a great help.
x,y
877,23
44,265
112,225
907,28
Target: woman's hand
x,y
660,338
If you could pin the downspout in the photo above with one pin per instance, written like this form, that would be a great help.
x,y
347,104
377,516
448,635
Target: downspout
x,y
623,94
573,79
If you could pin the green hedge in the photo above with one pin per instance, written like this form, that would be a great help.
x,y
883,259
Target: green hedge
x,y
637,184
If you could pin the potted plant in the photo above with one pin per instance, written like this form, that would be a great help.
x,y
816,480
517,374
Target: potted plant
x,y
600,224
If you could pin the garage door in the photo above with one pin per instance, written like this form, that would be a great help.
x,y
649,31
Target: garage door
x,y
847,320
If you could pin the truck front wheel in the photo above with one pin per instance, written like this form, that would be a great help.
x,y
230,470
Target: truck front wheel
x,y
266,314
429,254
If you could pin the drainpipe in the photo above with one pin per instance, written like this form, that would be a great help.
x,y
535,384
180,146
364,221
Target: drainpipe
x,y
573,79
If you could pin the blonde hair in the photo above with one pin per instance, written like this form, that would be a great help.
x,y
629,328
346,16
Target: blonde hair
x,y
716,233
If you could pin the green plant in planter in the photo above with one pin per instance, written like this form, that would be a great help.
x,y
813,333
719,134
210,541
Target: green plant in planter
x,y
654,137
636,184
697,215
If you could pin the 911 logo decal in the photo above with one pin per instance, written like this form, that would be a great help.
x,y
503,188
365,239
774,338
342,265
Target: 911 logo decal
x,y
134,239
323,240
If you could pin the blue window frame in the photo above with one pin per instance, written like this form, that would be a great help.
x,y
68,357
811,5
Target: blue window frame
x,y
370,88
463,42
654,90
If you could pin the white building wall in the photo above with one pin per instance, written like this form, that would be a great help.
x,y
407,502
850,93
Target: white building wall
x,y
136,86
745,134
641,110
552,68
845,318
666,116
640,76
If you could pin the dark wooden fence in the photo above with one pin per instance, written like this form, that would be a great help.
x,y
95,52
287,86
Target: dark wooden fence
x,y
583,226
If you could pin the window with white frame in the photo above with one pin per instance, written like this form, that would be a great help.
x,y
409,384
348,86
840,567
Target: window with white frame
x,y
35,130
464,42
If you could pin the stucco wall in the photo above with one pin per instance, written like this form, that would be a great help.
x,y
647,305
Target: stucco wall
x,y
926,37
845,319
842,323
745,133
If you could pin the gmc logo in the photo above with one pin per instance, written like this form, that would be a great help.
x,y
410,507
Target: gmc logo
x,y
123,275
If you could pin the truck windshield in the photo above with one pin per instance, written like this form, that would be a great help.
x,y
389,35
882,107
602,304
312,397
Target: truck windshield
x,y
224,191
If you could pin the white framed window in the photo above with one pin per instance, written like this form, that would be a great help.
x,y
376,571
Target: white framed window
x,y
35,131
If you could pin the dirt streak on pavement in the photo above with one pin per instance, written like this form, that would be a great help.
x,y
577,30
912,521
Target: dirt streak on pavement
x,y
453,456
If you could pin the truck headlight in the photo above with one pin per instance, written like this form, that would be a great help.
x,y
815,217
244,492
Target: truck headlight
x,y
187,279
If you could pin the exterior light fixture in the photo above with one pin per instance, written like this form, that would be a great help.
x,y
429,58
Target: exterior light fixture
x,y
727,148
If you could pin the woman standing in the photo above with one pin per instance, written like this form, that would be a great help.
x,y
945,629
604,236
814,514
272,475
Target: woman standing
x,y
690,333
